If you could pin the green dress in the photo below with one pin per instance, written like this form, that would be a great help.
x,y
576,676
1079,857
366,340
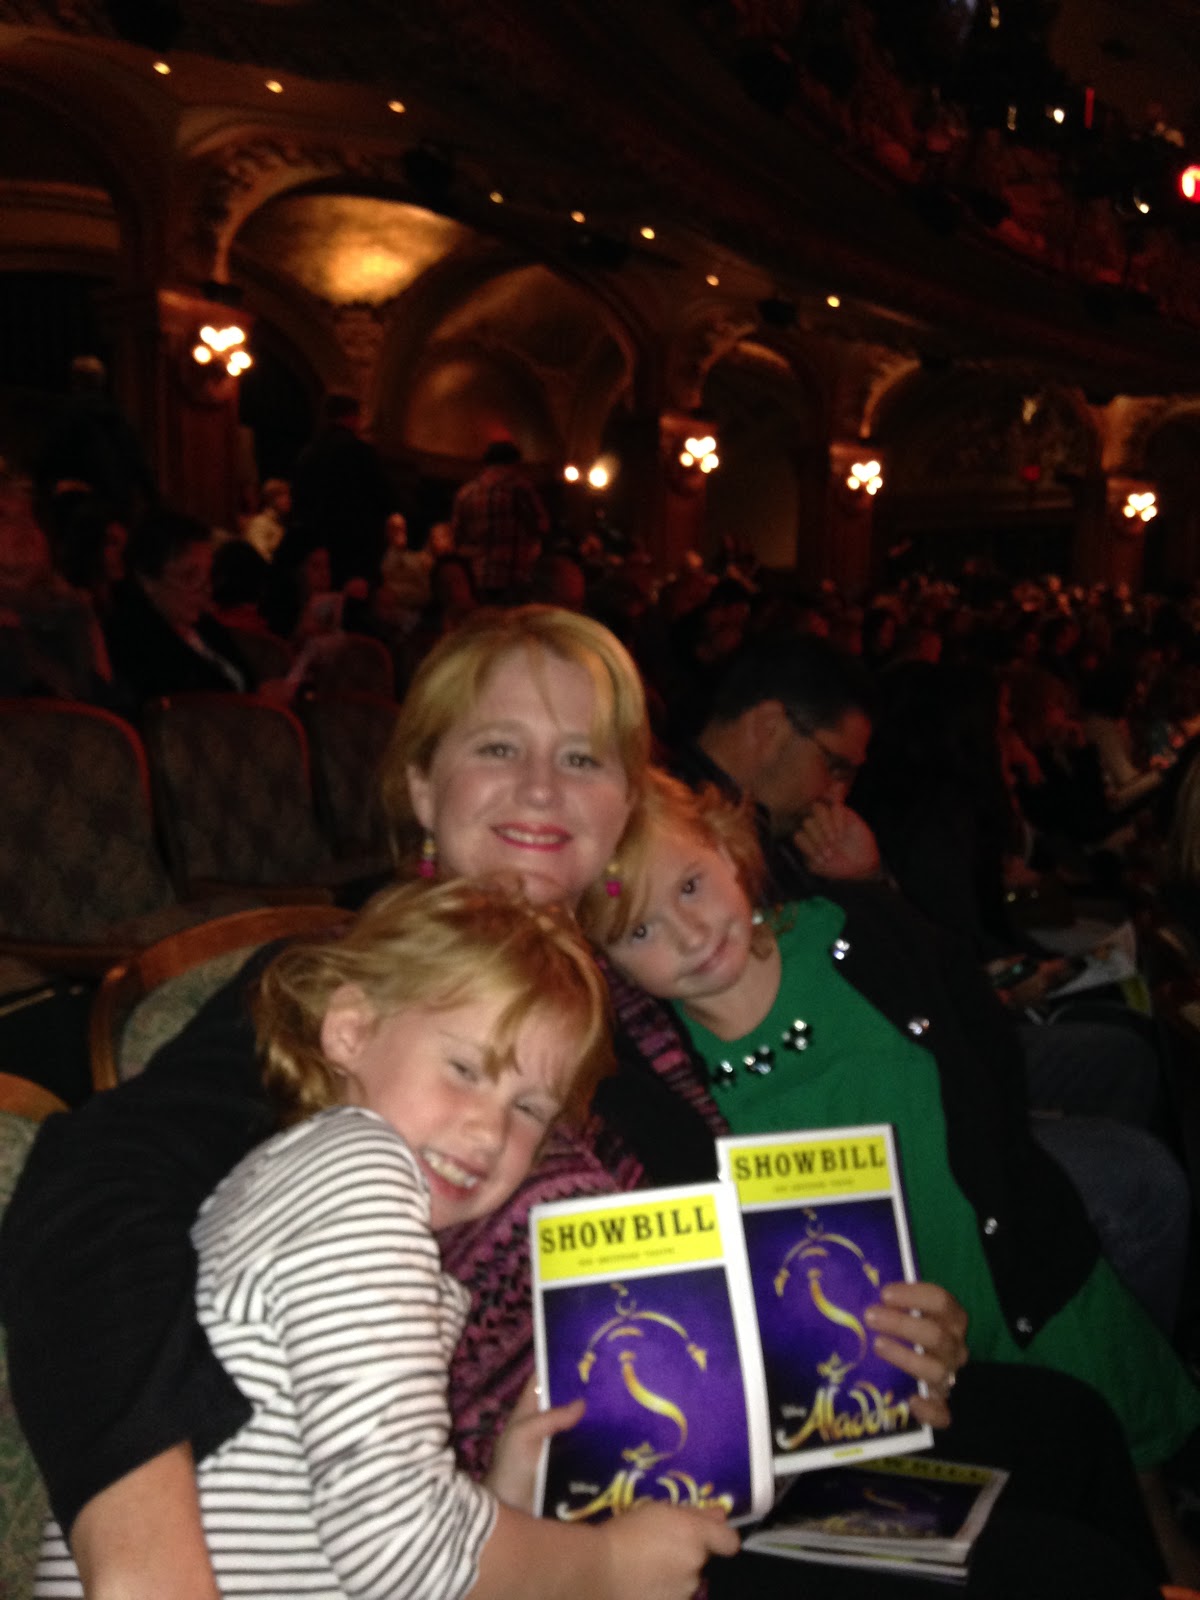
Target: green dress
x,y
857,1067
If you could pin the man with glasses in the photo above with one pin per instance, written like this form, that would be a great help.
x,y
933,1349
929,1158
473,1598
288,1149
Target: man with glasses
x,y
790,727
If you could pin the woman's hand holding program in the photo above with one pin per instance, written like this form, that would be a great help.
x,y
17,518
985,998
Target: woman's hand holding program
x,y
922,1329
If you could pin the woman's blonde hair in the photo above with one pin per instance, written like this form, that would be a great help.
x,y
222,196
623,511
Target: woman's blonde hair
x,y
451,678
435,946
669,808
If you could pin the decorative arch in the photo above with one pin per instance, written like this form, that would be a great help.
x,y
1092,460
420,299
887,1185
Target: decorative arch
x,y
517,322
770,416
238,169
463,396
1153,422
977,427
299,325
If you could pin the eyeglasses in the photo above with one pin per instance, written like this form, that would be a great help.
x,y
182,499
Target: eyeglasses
x,y
839,767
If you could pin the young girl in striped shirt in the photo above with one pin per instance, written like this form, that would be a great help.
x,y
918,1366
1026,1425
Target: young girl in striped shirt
x,y
419,1060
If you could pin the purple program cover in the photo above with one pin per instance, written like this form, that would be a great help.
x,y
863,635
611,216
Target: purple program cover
x,y
651,1358
656,1334
825,1230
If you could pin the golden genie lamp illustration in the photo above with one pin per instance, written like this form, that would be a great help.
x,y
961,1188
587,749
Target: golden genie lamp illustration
x,y
624,1330
622,1338
831,1269
813,1256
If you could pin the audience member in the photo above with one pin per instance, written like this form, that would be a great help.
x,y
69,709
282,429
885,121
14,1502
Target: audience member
x,y
88,545
341,493
161,632
1107,698
265,530
50,639
403,589
240,575
1181,866
500,524
93,445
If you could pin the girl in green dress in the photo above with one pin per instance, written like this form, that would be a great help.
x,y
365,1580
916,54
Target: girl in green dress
x,y
774,1008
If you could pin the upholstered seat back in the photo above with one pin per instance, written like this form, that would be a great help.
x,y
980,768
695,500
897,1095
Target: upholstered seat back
x,y
348,735
265,655
77,849
358,665
234,790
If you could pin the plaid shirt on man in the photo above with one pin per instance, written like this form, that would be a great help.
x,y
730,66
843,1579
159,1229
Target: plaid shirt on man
x,y
499,523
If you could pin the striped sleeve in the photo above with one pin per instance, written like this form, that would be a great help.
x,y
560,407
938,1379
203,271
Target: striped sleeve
x,y
353,1290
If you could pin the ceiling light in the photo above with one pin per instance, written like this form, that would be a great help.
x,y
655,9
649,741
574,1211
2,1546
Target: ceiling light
x,y
646,233
712,280
223,345
578,216
833,300
866,475
397,106
163,68
274,85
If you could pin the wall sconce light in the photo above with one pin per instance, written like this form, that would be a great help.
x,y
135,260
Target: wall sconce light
x,y
571,473
865,475
223,347
1142,506
700,452
599,476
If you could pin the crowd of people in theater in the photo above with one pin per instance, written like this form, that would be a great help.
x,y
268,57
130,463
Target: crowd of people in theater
x,y
876,803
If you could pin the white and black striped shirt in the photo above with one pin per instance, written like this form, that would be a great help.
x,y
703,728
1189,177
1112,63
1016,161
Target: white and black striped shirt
x,y
322,1292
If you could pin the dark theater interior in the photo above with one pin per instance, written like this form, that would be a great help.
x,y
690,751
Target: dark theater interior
x,y
581,578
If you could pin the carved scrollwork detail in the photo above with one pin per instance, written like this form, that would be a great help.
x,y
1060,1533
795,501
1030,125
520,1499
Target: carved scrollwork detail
x,y
697,351
235,180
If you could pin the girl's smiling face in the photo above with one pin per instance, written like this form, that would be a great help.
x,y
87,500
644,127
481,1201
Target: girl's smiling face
x,y
692,938
475,1132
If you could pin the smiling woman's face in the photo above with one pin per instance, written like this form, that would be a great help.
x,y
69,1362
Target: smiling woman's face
x,y
517,784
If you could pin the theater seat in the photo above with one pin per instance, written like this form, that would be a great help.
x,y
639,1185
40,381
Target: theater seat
x,y
81,878
233,791
348,735
146,1000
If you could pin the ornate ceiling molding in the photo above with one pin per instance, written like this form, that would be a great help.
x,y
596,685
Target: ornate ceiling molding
x,y
231,182
627,106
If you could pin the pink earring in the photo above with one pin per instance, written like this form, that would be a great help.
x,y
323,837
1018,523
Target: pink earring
x,y
427,865
612,881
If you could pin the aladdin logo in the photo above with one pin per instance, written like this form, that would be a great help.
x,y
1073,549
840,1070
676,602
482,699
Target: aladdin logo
x,y
619,1338
872,1411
